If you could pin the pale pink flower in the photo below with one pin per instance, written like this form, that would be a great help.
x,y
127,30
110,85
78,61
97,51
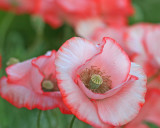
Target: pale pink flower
x,y
32,84
98,83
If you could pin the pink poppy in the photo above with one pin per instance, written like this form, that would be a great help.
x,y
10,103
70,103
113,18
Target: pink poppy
x,y
98,83
32,84
150,112
143,41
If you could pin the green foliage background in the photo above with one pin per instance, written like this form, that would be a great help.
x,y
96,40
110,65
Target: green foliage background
x,y
24,37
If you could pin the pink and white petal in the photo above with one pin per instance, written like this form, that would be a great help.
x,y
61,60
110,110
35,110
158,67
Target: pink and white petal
x,y
18,71
125,105
70,56
45,63
113,61
87,28
146,114
113,32
152,42
35,78
147,64
74,53
81,106
20,96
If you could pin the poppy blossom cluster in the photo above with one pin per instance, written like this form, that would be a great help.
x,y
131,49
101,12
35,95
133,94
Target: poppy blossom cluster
x,y
32,84
97,82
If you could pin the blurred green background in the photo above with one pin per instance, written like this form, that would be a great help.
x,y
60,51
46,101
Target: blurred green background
x,y
24,37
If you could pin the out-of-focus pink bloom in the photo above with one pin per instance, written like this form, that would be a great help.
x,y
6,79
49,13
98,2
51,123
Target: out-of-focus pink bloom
x,y
144,41
113,12
32,84
20,6
94,30
49,12
76,10
98,83
150,112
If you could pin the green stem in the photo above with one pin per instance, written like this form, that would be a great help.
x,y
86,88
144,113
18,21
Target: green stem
x,y
153,77
72,121
39,118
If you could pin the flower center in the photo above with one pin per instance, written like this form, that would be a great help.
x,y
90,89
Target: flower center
x,y
96,81
47,86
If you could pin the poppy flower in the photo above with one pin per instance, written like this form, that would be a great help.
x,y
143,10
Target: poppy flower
x,y
98,83
32,84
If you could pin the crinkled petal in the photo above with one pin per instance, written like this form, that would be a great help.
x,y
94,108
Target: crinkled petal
x,y
150,111
125,105
15,72
109,93
45,64
26,74
21,96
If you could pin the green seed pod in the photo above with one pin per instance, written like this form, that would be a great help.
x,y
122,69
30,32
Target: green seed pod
x,y
96,81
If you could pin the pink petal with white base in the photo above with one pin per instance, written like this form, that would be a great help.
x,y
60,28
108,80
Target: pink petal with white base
x,y
150,111
126,103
